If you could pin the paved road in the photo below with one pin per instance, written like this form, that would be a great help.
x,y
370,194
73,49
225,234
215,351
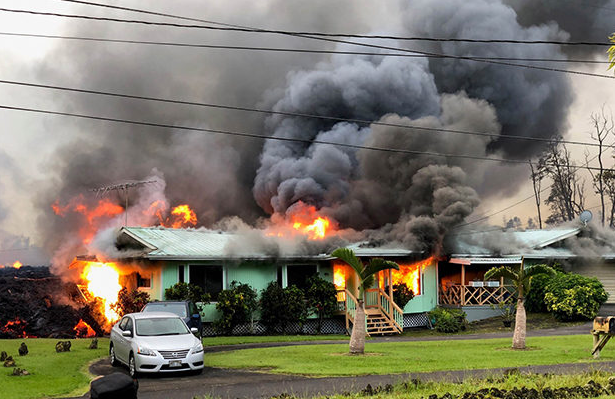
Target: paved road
x,y
224,383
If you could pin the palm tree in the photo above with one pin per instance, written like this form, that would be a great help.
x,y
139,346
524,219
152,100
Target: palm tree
x,y
366,279
521,279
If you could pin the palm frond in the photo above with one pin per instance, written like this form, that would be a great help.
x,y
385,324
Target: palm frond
x,y
502,271
539,269
377,264
348,256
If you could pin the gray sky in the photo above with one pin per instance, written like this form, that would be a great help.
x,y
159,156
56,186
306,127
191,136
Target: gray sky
x,y
29,143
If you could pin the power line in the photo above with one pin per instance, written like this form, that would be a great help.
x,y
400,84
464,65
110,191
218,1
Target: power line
x,y
294,114
288,50
264,137
466,58
349,35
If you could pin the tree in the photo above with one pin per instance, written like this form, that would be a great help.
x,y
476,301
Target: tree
x,y
130,301
521,279
609,182
186,292
566,198
236,306
282,306
365,274
537,175
321,298
604,127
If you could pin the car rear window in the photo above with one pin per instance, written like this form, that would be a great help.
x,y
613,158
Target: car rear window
x,y
161,326
177,308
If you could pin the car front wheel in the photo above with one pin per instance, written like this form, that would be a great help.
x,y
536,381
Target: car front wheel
x,y
132,366
112,358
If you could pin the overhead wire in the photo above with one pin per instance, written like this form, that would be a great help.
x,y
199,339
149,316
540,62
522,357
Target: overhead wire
x,y
457,57
350,35
288,50
265,137
293,114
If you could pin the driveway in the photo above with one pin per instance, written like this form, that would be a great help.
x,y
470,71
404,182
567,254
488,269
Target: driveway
x,y
226,383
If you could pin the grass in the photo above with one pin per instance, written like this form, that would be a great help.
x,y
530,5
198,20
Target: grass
x,y
406,357
250,339
51,374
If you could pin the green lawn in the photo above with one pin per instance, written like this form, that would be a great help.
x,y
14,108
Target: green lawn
x,y
250,339
51,374
405,357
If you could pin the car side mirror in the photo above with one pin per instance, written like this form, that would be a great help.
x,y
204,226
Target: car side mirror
x,y
127,333
194,330
195,316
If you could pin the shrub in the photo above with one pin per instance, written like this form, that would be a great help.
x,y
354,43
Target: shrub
x,y
402,294
236,305
186,292
130,301
571,296
281,306
448,320
321,298
535,299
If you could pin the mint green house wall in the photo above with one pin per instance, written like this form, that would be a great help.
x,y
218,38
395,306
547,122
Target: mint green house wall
x,y
429,297
259,273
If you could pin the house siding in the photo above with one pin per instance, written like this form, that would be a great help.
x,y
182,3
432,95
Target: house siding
x,y
428,299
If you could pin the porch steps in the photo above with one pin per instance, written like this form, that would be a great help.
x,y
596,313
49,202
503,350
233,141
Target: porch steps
x,y
379,324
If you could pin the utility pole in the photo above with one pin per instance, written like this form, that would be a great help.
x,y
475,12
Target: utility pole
x,y
122,187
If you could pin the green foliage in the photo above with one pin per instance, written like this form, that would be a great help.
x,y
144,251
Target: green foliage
x,y
321,298
574,297
236,306
130,301
448,320
535,299
186,292
365,272
402,294
282,306
506,309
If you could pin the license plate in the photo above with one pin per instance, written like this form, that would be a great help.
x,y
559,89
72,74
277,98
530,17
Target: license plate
x,y
175,363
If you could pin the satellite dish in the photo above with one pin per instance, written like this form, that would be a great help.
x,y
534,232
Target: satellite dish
x,y
585,217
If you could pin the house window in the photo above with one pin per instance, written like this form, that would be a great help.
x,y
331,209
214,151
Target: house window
x,y
180,277
298,275
411,275
144,281
209,278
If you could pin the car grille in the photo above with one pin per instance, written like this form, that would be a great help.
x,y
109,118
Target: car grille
x,y
178,354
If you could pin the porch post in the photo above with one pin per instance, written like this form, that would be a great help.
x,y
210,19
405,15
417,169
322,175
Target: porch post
x,y
391,284
463,284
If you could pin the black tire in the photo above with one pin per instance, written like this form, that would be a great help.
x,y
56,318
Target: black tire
x,y
112,359
132,367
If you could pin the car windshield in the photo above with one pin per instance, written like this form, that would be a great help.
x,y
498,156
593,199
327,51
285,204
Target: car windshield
x,y
161,326
176,308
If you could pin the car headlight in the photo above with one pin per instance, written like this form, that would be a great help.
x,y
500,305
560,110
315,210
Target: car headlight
x,y
198,348
141,350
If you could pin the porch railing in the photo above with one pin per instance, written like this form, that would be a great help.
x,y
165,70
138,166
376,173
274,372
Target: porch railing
x,y
374,299
467,295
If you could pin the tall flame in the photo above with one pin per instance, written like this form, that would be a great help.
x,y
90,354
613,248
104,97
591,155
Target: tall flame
x,y
410,274
316,230
103,281
186,216
17,264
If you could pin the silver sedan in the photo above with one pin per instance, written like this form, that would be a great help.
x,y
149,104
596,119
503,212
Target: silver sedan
x,y
155,342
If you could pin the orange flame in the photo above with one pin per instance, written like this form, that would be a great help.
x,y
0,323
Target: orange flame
x,y
339,276
84,330
306,220
95,215
411,274
186,216
103,281
17,264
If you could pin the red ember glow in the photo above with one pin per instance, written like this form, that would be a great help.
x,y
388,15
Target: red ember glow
x,y
84,330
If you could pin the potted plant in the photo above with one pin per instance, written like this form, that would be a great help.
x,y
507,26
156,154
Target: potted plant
x,y
507,312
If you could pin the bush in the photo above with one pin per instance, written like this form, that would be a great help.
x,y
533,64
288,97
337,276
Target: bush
x,y
130,301
186,292
448,320
282,306
236,305
321,298
535,299
571,297
402,294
